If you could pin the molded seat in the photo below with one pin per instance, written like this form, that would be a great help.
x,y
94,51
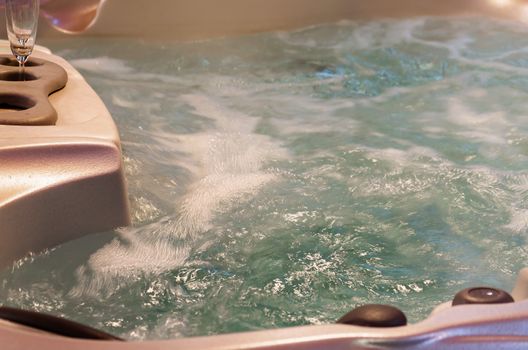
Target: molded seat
x,y
61,171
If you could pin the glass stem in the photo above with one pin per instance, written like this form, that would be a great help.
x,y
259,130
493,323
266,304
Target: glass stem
x,y
21,69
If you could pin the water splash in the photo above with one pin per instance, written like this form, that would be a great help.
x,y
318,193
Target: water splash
x,y
230,167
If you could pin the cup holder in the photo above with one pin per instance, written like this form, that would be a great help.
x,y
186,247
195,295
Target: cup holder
x,y
17,76
11,62
14,102
24,93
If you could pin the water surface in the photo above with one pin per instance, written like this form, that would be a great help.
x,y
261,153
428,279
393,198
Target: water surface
x,y
282,179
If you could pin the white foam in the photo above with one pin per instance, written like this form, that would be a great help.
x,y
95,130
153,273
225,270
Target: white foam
x,y
231,162
406,157
374,34
122,102
460,114
102,65
228,164
519,221
140,250
519,213
484,137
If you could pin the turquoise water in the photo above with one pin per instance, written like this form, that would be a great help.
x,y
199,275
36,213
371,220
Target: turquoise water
x,y
282,179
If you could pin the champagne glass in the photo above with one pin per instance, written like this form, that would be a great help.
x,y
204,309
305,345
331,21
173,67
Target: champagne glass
x,y
21,22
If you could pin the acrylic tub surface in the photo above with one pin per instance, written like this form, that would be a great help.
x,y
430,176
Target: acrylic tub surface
x,y
63,179
187,20
462,327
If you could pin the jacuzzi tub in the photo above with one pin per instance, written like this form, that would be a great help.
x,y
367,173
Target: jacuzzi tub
x,y
463,327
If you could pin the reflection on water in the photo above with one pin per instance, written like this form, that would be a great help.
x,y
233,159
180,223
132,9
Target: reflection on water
x,y
284,178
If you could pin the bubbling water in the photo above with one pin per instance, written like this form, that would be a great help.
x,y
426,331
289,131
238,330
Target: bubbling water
x,y
284,178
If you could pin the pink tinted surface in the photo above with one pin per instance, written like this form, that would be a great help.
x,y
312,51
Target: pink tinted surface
x,y
72,16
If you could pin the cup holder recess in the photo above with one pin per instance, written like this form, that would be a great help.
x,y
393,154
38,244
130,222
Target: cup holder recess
x,y
11,62
14,102
17,76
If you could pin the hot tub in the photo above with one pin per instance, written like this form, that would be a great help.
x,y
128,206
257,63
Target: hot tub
x,y
470,326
